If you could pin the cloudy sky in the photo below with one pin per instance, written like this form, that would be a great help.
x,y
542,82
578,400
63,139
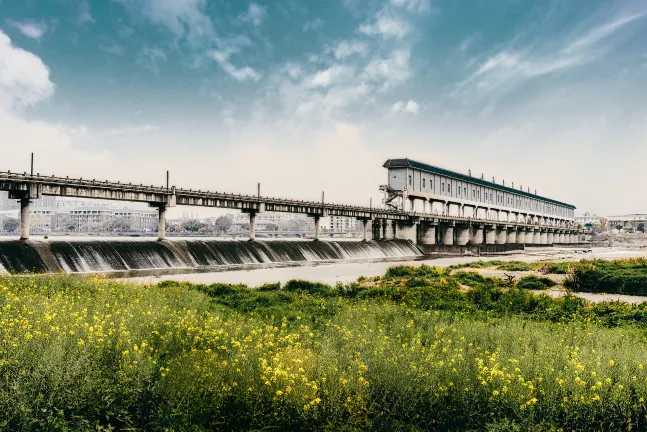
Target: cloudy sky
x,y
314,95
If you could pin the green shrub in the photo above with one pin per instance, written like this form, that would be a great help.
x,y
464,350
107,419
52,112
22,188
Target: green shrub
x,y
532,282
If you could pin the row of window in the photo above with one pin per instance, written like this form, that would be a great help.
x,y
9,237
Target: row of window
x,y
497,198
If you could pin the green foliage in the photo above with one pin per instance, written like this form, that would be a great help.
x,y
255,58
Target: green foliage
x,y
409,351
532,282
618,277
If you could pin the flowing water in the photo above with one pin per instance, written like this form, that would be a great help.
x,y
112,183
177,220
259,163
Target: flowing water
x,y
123,255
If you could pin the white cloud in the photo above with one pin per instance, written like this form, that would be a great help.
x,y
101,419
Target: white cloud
x,y
239,74
25,81
84,13
413,6
150,58
411,107
30,28
509,67
601,32
24,78
386,27
315,24
114,49
292,70
346,49
389,71
184,18
255,14
332,75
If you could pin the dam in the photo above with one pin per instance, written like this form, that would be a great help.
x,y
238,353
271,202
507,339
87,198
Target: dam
x,y
132,257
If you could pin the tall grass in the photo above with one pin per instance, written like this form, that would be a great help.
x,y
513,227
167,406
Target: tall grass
x,y
386,354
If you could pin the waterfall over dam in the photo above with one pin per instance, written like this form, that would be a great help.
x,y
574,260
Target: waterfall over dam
x,y
137,256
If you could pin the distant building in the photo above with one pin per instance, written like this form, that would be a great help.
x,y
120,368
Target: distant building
x,y
140,220
628,222
342,224
588,219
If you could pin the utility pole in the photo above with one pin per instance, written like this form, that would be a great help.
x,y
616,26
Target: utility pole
x,y
32,164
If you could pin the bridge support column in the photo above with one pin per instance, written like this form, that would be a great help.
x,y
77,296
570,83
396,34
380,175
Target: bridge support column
x,y
252,226
426,233
377,229
543,237
550,238
537,237
406,231
560,237
490,234
317,227
521,236
365,229
501,235
462,234
446,233
161,223
511,236
24,218
389,233
476,234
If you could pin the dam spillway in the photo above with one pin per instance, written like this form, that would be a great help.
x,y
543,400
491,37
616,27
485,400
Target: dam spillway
x,y
137,255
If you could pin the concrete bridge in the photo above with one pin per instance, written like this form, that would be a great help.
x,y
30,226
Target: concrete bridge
x,y
422,227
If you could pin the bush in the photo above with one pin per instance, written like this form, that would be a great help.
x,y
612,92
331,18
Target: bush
x,y
532,282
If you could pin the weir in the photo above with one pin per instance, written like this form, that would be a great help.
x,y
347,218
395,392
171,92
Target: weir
x,y
114,256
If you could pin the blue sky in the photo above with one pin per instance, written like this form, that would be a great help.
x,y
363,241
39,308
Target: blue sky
x,y
306,96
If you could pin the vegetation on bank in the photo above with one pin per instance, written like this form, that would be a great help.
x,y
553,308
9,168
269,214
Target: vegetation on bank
x,y
628,276
412,350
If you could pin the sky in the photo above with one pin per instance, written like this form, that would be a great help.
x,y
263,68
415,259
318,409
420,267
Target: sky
x,y
315,95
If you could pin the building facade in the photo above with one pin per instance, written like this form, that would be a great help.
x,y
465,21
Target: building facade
x,y
628,222
413,181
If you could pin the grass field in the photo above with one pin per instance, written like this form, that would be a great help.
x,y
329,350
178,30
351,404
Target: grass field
x,y
407,351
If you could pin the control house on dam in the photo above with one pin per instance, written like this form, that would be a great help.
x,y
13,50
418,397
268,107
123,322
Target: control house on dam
x,y
467,210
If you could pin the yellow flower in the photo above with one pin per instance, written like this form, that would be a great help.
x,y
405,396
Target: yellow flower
x,y
612,363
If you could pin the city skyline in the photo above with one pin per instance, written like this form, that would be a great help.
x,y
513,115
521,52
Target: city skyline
x,y
316,96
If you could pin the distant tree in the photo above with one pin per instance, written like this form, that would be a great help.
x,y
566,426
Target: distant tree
x,y
191,225
67,223
245,227
619,227
641,227
117,225
272,227
11,224
223,223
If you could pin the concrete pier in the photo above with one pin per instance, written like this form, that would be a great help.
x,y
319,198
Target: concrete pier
x,y
161,223
511,236
550,237
521,236
252,226
543,237
446,233
462,235
365,229
476,235
501,235
407,231
389,231
490,234
536,237
427,234
317,227
24,218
